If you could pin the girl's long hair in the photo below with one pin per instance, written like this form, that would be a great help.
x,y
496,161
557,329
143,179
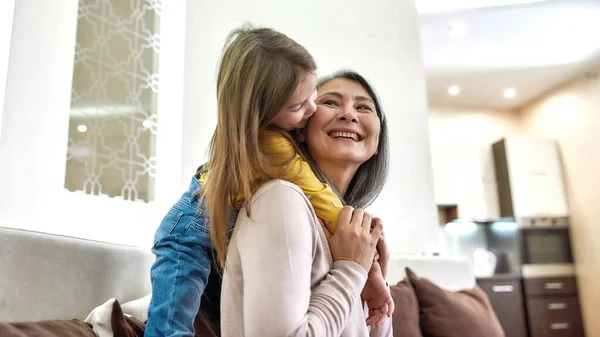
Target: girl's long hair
x,y
259,71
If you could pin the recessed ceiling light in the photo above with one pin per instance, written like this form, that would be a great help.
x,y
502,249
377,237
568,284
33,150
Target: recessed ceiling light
x,y
453,90
458,30
510,93
82,128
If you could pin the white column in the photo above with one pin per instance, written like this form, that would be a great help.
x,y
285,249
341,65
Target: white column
x,y
379,39
7,11
36,108
170,102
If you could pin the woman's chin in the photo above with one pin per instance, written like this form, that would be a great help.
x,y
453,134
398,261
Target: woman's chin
x,y
348,152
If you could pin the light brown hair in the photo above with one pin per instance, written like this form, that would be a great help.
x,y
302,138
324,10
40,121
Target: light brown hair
x,y
259,71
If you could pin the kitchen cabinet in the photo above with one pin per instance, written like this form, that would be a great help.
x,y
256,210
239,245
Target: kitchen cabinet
x,y
530,177
506,296
553,307
537,307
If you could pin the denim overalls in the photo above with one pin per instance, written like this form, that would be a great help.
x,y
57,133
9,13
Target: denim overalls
x,y
184,256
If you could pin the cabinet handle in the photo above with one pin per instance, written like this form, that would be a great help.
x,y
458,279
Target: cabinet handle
x,y
559,326
557,306
554,285
503,289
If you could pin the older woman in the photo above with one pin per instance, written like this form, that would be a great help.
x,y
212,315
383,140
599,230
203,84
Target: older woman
x,y
283,276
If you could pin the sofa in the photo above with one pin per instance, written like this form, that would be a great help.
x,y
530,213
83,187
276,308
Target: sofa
x,y
47,277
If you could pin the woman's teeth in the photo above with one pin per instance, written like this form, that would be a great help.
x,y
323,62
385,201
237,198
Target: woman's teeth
x,y
350,135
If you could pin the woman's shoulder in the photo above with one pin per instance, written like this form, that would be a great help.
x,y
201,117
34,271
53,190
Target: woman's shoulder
x,y
279,188
280,197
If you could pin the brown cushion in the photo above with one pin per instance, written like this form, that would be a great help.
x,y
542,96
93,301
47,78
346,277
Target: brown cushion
x,y
405,319
443,313
125,326
73,328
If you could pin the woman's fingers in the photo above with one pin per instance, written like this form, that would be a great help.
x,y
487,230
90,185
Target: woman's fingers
x,y
353,239
377,229
383,316
366,222
357,217
345,216
391,306
374,316
382,248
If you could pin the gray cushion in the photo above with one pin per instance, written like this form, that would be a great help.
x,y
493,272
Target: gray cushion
x,y
46,276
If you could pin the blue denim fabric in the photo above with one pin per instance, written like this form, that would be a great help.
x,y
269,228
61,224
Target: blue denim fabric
x,y
180,272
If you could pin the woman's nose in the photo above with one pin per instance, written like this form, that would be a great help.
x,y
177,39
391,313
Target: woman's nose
x,y
349,114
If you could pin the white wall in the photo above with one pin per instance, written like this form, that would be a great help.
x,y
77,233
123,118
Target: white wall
x,y
33,147
571,115
7,9
380,39
463,164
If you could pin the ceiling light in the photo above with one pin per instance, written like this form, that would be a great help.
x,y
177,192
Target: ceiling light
x,y
453,90
510,93
147,124
82,128
458,30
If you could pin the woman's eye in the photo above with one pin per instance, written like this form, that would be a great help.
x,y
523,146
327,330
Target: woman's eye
x,y
330,102
364,107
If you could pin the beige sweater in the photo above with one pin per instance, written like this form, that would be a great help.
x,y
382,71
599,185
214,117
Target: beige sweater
x,y
280,279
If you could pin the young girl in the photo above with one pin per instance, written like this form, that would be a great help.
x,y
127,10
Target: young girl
x,y
276,78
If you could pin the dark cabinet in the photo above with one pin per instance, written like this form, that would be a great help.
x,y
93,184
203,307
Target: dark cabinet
x,y
550,286
553,307
535,307
506,295
555,316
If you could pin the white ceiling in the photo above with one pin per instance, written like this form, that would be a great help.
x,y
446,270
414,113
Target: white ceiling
x,y
530,47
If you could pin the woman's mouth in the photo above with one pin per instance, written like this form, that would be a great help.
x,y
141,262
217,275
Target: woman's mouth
x,y
345,134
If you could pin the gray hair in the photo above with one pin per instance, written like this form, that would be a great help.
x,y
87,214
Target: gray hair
x,y
370,177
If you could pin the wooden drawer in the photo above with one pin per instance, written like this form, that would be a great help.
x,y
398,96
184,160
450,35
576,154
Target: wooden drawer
x,y
555,317
550,286
507,300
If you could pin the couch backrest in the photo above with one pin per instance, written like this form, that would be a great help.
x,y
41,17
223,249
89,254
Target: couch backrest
x,y
45,276
450,273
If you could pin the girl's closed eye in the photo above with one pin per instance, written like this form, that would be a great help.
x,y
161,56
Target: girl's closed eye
x,y
297,108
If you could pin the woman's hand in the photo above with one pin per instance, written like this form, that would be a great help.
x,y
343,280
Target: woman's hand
x,y
354,240
382,249
376,292
377,295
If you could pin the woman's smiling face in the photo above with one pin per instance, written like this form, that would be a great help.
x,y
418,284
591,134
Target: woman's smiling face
x,y
345,128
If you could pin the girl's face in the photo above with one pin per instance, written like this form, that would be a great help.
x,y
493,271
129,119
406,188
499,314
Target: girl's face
x,y
299,107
